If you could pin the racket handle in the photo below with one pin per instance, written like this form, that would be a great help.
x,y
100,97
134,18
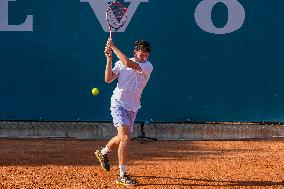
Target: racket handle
x,y
110,32
110,36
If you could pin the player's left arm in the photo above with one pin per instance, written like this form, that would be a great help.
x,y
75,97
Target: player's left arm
x,y
123,58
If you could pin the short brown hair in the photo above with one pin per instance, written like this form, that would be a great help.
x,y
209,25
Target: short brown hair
x,y
142,45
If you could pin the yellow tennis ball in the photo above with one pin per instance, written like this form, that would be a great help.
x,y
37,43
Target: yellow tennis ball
x,y
95,91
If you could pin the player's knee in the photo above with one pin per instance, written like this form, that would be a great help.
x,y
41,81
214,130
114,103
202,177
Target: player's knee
x,y
125,139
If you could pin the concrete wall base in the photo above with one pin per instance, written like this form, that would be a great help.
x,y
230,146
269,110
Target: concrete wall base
x,y
161,131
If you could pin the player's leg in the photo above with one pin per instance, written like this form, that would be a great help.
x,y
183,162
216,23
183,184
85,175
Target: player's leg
x,y
113,143
124,133
102,154
120,117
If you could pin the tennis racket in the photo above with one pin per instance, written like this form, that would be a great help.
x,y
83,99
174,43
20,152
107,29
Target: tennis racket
x,y
116,16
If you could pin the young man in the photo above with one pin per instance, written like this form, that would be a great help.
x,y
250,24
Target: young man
x,y
132,75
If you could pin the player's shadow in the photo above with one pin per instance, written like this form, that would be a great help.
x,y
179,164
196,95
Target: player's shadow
x,y
204,182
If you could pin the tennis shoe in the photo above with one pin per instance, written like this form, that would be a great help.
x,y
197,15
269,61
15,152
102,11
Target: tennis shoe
x,y
103,160
126,180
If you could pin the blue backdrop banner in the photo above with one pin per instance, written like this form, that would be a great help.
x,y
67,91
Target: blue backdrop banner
x,y
214,60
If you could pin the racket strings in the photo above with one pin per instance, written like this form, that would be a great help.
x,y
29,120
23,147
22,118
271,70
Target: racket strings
x,y
116,15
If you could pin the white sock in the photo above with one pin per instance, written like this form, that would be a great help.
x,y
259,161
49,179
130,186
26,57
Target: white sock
x,y
122,170
105,150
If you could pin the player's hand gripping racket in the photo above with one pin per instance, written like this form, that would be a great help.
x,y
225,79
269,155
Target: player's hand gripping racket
x,y
116,16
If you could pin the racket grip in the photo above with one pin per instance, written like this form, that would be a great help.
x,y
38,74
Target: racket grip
x,y
110,33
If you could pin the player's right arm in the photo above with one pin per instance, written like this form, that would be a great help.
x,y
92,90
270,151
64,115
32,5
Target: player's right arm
x,y
109,75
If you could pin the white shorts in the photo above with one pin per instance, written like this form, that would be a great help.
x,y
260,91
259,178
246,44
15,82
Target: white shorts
x,y
123,117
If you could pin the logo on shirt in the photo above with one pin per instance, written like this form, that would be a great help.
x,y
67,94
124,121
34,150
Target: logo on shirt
x,y
100,6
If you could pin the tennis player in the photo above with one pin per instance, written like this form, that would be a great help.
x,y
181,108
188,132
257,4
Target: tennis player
x,y
132,75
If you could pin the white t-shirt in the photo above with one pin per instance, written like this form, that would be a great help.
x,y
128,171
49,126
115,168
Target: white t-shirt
x,y
130,85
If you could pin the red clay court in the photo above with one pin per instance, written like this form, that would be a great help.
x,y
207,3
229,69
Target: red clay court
x,y
46,163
